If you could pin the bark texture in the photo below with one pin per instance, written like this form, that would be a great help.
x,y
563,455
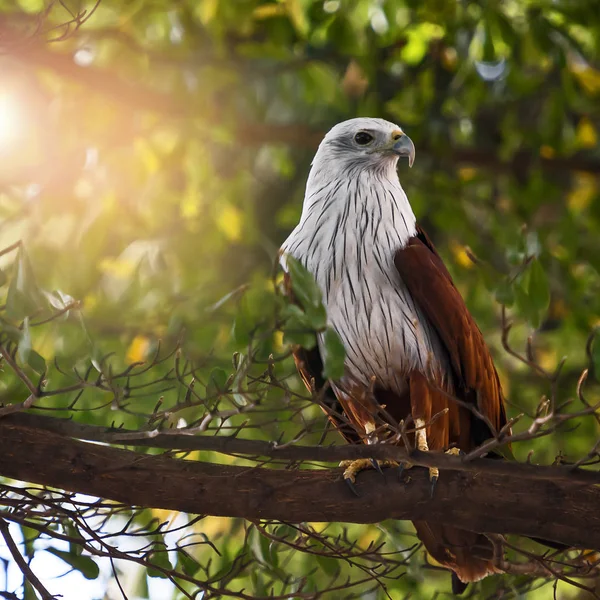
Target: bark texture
x,y
509,498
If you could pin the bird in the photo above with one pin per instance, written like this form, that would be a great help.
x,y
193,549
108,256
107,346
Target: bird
x,y
414,353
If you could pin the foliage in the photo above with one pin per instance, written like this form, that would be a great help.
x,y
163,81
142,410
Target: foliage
x,y
153,157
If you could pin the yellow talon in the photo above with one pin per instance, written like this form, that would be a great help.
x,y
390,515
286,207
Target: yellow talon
x,y
434,472
353,467
454,451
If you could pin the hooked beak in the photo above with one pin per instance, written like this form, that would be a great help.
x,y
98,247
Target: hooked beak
x,y
405,147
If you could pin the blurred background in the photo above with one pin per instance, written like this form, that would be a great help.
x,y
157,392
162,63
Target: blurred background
x,y
154,153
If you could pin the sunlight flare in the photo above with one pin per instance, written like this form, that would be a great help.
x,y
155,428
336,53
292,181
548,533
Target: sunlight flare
x,y
10,120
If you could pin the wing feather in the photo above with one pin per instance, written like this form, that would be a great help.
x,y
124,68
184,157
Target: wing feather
x,y
430,284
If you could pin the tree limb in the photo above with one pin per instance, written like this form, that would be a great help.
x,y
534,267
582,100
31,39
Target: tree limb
x,y
235,446
477,499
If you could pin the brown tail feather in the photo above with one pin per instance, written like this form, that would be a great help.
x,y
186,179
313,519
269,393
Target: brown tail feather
x,y
468,554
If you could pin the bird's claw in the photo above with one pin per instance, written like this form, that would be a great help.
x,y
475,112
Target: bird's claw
x,y
353,467
375,464
350,482
434,475
403,466
434,481
400,471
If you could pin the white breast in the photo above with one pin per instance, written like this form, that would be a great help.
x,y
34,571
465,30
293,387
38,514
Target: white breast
x,y
347,239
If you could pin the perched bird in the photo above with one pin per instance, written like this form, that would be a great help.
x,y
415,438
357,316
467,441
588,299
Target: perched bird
x,y
413,349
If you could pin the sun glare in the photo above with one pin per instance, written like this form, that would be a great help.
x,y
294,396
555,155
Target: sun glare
x,y
10,120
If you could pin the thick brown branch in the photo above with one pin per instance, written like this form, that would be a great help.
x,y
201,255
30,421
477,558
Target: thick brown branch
x,y
234,446
479,500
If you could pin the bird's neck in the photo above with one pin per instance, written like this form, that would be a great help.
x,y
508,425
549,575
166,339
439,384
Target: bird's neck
x,y
351,225
369,204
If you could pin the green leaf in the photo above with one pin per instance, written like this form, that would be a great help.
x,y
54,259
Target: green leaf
x,y
36,362
30,593
524,305
23,297
539,290
263,549
73,533
189,564
317,317
29,538
84,564
505,293
217,382
330,566
293,311
160,558
335,354
304,285
25,343
296,332
532,293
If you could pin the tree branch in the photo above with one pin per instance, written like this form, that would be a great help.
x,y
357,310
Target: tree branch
x,y
235,446
477,499
22,563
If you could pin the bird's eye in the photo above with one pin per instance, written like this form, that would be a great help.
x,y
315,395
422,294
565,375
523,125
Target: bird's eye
x,y
362,138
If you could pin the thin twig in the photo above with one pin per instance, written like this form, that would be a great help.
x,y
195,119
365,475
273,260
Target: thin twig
x,y
22,563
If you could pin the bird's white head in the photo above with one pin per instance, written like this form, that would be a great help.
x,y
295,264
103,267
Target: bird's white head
x,y
364,143
353,182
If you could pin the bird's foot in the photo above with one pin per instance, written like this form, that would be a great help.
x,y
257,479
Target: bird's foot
x,y
403,466
353,467
434,472
455,452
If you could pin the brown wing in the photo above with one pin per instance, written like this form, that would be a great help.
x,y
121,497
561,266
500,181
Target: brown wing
x,y
430,284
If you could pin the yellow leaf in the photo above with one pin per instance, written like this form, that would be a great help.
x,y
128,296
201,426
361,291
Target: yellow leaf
x,y
546,358
214,526
207,10
547,152
148,156
588,77
587,136
418,39
370,535
467,173
90,302
230,223
138,349
583,192
268,11
297,12
164,516
117,267
32,6
278,341
460,255
190,205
